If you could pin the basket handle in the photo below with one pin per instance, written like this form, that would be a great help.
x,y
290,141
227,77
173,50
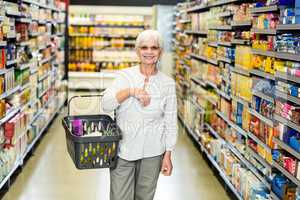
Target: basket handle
x,y
86,96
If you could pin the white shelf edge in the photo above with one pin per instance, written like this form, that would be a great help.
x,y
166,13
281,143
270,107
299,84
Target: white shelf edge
x,y
286,147
264,119
258,141
92,74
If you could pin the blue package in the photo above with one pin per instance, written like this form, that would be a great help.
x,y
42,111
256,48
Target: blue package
x,y
288,133
257,103
294,91
294,143
286,2
275,154
239,109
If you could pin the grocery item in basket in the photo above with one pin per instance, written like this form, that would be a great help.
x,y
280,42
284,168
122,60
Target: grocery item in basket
x,y
77,127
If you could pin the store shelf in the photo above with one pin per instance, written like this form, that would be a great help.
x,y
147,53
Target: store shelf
x,y
25,86
238,154
286,147
249,165
11,35
264,31
227,60
263,96
283,76
198,8
198,107
288,56
9,115
13,13
231,124
258,141
203,58
264,119
212,61
184,21
221,28
33,70
7,177
240,41
223,2
111,74
263,53
11,62
25,65
4,71
274,196
286,173
213,132
241,101
44,76
241,24
198,81
102,35
287,97
287,122
222,174
45,60
262,74
108,25
264,9
281,55
225,14
213,44
3,43
32,102
226,44
49,121
211,84
223,94
239,69
195,32
189,130
24,43
42,22
10,92
24,20
259,158
288,27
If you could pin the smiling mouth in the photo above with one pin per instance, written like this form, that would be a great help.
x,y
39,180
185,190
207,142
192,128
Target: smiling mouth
x,y
149,57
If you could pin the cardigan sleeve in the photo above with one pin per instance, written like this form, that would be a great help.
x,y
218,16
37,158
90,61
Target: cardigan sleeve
x,y
170,117
109,100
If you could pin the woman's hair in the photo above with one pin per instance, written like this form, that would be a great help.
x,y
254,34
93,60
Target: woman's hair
x,y
149,35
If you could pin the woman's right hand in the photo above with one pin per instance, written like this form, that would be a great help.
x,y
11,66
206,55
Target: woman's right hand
x,y
141,95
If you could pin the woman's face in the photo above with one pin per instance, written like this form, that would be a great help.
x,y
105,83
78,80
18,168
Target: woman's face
x,y
149,52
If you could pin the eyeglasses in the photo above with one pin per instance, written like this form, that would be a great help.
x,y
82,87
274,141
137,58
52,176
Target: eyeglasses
x,y
153,48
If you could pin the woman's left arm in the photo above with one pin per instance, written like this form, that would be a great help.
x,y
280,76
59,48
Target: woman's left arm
x,y
170,124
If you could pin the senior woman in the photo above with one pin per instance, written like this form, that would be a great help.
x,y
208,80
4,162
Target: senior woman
x,y
146,112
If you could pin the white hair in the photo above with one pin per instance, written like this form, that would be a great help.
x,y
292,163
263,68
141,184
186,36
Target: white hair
x,y
149,35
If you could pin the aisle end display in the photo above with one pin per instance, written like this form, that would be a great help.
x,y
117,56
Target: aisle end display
x,y
239,63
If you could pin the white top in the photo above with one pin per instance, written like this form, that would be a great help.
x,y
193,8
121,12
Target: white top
x,y
146,131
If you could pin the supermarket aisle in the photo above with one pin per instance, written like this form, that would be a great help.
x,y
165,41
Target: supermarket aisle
x,y
50,175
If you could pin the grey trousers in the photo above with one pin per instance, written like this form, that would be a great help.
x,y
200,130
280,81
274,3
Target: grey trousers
x,y
135,180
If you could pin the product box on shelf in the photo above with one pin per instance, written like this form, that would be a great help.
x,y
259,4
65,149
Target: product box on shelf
x,y
2,58
282,187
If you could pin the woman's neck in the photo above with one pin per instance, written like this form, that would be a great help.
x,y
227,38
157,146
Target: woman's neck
x,y
148,70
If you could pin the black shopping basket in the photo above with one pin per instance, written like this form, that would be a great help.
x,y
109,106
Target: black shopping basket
x,y
90,151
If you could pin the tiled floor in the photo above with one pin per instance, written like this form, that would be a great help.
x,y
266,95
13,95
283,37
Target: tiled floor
x,y
50,175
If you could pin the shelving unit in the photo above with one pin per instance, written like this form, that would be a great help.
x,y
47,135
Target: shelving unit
x,y
208,79
215,164
100,42
21,74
